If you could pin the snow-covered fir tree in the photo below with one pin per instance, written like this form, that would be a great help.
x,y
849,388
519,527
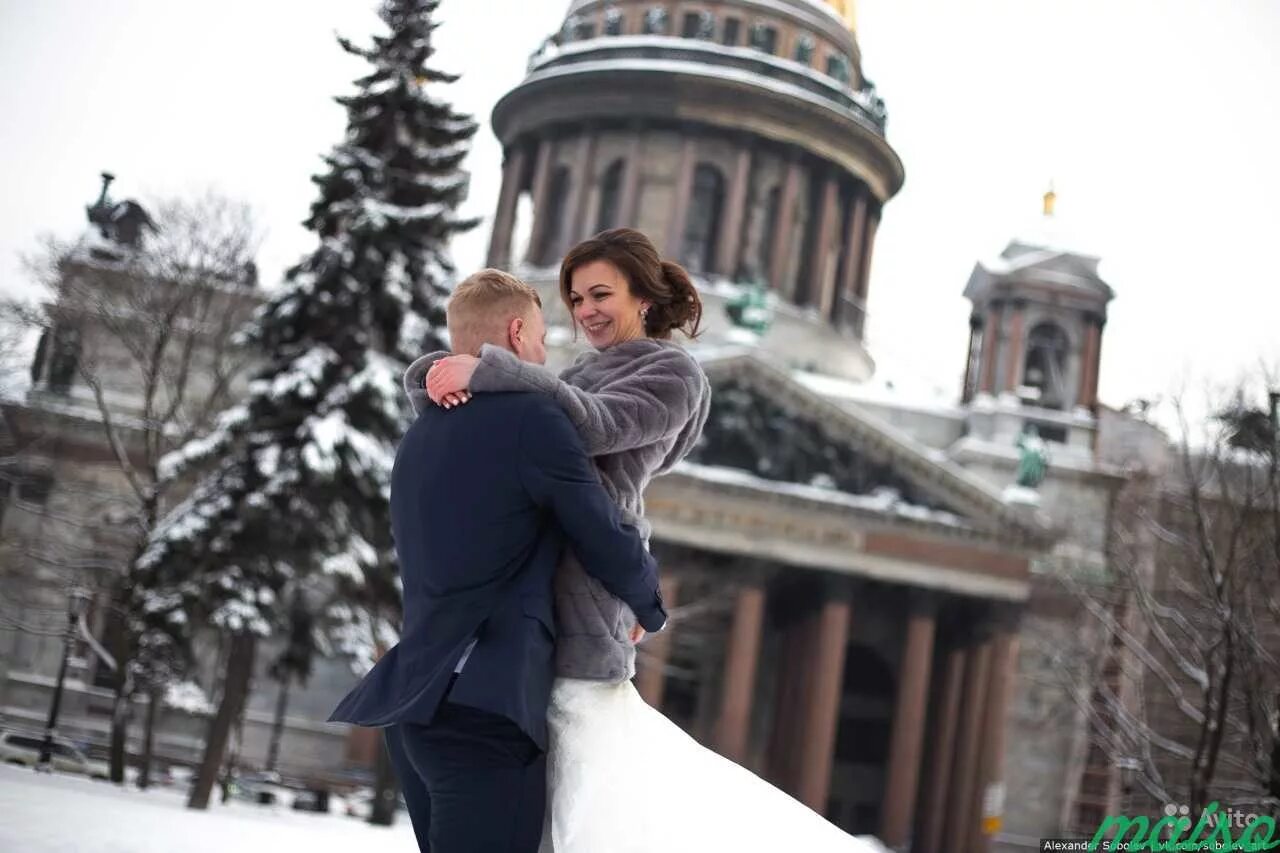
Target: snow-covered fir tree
x,y
294,481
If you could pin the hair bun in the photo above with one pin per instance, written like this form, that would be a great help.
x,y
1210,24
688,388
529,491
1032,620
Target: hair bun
x,y
681,310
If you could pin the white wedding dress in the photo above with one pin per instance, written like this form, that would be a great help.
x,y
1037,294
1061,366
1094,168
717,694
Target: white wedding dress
x,y
622,778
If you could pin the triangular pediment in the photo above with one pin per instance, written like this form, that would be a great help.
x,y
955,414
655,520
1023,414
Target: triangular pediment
x,y
1024,263
768,425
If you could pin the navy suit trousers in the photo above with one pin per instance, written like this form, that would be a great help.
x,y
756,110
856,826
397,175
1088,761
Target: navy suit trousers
x,y
473,782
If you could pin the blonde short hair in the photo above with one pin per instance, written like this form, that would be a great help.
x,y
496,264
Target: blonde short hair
x,y
483,306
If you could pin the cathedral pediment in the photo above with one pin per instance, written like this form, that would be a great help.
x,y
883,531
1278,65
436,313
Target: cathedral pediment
x,y
769,431
1037,265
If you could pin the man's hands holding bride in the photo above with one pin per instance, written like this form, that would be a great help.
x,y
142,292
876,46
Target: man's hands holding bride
x,y
637,634
449,378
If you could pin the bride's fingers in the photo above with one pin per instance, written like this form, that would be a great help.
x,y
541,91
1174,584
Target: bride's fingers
x,y
457,398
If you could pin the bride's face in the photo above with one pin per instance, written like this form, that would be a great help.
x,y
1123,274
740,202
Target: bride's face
x,y
603,306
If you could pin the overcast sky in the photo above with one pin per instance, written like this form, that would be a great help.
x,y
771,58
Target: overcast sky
x,y
1157,120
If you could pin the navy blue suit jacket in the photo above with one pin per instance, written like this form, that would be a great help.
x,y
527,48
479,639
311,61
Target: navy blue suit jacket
x,y
483,499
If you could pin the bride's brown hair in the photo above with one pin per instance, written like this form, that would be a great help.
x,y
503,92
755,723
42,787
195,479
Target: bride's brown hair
x,y
673,300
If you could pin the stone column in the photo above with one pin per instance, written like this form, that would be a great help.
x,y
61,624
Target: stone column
x,y
1017,335
936,783
822,708
822,281
908,724
630,195
651,679
741,661
959,805
584,167
1096,369
794,659
966,393
734,210
541,185
848,286
680,203
781,248
990,794
1087,395
990,348
504,220
864,275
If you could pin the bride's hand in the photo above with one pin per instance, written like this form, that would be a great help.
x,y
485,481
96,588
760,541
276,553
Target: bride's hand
x,y
448,378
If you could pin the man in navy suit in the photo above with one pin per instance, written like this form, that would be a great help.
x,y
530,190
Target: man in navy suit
x,y
483,500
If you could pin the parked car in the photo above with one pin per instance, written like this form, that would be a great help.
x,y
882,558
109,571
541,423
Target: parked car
x,y
262,788
359,803
24,749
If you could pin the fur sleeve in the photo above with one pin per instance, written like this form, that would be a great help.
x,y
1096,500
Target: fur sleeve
x,y
415,380
649,398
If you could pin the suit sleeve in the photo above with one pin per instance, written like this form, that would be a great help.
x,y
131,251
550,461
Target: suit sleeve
x,y
650,404
558,474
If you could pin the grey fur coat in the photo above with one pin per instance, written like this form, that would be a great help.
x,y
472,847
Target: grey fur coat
x,y
640,407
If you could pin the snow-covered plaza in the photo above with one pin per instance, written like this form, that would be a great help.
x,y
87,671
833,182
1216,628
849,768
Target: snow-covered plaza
x,y
62,814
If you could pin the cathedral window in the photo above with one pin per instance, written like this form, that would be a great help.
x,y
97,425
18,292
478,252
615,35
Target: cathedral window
x,y
578,28
34,487
655,21
1044,373
772,210
805,47
732,32
610,195
699,25
613,21
764,37
838,67
703,222
64,361
553,215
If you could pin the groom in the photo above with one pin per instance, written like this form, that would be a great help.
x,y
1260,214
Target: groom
x,y
484,498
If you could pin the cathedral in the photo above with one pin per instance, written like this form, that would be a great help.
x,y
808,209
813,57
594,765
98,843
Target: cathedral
x,y
866,607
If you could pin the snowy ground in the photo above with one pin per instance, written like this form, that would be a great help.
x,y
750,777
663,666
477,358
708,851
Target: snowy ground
x,y
42,813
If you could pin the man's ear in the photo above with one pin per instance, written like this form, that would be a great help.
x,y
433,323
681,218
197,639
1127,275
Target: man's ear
x,y
515,331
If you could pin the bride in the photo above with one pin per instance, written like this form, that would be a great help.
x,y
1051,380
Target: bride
x,y
621,776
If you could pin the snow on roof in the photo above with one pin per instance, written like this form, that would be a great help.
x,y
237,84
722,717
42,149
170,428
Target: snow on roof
x,y
881,390
882,502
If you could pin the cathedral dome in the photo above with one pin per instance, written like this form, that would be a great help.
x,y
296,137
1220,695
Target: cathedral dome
x,y
741,135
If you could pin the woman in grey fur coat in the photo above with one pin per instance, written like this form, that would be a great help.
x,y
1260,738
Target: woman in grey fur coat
x,y
621,777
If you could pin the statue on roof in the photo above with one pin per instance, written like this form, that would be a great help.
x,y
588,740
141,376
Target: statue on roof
x,y
124,223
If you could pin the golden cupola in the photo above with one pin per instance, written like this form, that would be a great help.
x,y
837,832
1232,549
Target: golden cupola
x,y
846,9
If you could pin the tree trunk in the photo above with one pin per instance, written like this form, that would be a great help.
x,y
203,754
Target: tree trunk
x,y
277,726
149,737
235,691
386,793
120,706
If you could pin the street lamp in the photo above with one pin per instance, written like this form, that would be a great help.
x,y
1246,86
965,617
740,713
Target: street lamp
x,y
77,601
